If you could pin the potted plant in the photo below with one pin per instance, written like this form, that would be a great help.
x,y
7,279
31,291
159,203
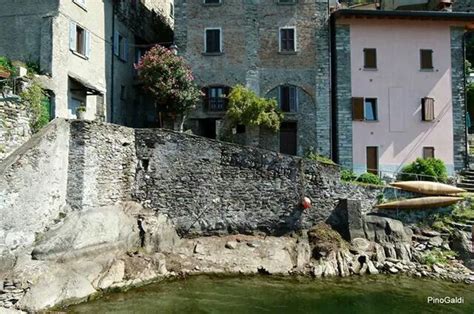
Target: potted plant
x,y
81,112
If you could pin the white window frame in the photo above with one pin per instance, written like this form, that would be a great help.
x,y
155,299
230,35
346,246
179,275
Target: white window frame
x,y
279,38
221,41
81,3
376,113
73,40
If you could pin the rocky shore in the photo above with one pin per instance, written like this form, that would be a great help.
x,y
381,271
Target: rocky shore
x,y
127,246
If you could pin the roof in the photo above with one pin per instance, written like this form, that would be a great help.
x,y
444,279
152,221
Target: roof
x,y
402,14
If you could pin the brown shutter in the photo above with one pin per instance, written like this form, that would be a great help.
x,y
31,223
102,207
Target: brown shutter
x,y
428,152
205,98
372,160
427,109
370,58
426,59
357,108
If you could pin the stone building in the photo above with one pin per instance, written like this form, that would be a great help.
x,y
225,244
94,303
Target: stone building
x,y
87,48
398,88
279,49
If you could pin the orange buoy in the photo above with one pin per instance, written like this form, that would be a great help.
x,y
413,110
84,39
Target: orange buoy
x,y
306,202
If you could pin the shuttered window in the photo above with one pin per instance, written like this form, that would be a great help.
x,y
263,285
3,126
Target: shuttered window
x,y
426,59
427,109
121,46
79,40
428,152
288,98
370,58
213,41
287,39
358,108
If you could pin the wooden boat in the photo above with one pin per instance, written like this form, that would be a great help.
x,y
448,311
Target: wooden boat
x,y
422,202
427,187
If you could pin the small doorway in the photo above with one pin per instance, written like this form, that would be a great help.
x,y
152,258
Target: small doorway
x,y
288,140
207,128
373,160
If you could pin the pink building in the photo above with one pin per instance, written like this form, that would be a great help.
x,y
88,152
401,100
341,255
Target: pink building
x,y
398,79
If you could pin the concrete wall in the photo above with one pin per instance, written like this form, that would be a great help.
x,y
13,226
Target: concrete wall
x,y
210,187
250,35
14,125
33,183
399,85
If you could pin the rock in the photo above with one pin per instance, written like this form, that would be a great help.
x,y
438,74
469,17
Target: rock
x,y
438,269
403,251
342,265
462,244
379,253
371,268
114,274
318,271
420,238
446,247
231,245
436,241
198,248
382,229
361,245
303,254
253,244
430,233
92,231
159,233
389,249
393,270
329,270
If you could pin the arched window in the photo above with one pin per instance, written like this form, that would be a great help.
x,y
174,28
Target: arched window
x,y
288,98
215,97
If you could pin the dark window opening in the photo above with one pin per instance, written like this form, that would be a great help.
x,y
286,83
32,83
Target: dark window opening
x,y
288,99
213,41
428,152
288,138
207,128
145,164
240,128
287,39
80,39
212,1
370,109
216,98
370,58
426,59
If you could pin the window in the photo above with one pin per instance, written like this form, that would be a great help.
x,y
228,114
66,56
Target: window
x,y
372,155
427,109
428,152
79,40
121,46
288,98
370,58
286,1
213,40
426,59
287,40
81,3
364,109
171,10
215,97
240,128
212,1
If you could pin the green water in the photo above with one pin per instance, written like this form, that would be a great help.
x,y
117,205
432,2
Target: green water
x,y
376,294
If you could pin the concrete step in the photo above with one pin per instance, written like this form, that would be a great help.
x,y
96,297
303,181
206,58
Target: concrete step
x,y
466,186
461,226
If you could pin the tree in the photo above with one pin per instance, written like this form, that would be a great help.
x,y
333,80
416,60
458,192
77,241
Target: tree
x,y
246,108
170,81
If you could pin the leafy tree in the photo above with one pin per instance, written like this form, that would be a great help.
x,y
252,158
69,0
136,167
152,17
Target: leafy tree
x,y
35,97
246,108
430,169
170,81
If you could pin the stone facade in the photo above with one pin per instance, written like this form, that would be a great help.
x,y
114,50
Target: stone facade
x,y
103,80
459,104
14,125
463,6
250,43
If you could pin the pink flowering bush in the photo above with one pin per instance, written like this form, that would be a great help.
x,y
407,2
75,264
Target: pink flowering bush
x,y
170,81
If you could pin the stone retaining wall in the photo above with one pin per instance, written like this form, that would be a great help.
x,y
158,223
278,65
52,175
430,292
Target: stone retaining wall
x,y
14,125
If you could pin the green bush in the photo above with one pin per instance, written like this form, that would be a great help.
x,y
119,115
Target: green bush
x,y
370,178
348,175
311,154
5,64
35,97
430,169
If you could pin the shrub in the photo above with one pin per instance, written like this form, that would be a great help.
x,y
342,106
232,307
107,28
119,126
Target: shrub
x,y
370,178
6,65
35,97
430,169
311,154
437,256
348,175
246,108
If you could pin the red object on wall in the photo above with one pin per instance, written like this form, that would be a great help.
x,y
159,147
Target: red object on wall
x,y
306,202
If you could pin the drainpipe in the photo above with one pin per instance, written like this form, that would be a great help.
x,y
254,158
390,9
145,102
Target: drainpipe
x,y
112,65
466,155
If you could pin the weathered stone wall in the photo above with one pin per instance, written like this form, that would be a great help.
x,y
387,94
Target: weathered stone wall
x,y
33,182
463,5
102,164
14,125
210,187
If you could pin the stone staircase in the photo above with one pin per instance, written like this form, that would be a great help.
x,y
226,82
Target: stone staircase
x,y
467,175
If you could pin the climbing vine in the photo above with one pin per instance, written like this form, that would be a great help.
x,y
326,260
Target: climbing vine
x,y
35,97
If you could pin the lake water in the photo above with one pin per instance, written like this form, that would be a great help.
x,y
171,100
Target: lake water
x,y
262,294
